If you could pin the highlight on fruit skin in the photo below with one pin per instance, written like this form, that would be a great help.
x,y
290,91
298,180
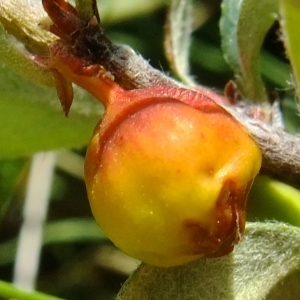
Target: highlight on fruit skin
x,y
168,183
167,170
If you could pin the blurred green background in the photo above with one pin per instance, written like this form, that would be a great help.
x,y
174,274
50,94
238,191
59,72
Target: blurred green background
x,y
75,261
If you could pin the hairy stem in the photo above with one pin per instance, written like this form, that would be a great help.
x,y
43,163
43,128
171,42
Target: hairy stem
x,y
281,151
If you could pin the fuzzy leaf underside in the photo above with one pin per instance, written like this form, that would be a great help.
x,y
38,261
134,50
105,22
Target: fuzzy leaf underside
x,y
265,265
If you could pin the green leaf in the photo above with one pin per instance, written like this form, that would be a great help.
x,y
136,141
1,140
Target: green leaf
x,y
9,175
208,56
76,230
274,70
243,25
20,35
178,38
9,291
85,9
290,13
17,58
291,115
113,11
265,265
72,230
32,120
270,199
23,19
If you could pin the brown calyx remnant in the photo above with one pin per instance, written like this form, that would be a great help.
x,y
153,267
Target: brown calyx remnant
x,y
230,224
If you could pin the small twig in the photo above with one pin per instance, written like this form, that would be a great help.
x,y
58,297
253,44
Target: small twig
x,y
281,151
131,70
